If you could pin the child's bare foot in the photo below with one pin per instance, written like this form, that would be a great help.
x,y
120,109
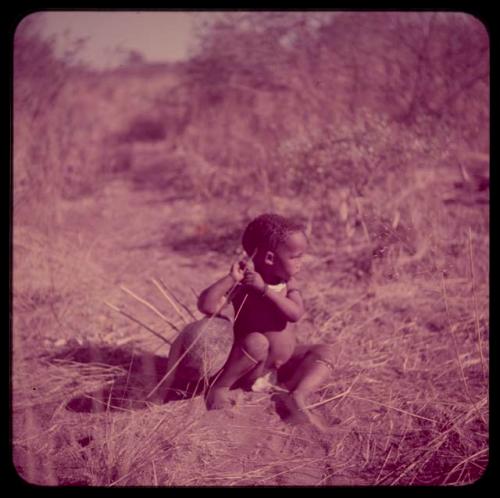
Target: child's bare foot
x,y
296,405
218,398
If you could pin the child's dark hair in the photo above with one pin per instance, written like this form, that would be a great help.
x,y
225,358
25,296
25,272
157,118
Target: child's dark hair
x,y
267,231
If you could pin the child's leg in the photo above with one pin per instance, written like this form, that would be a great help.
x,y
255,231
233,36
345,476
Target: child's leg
x,y
245,355
281,348
247,380
311,372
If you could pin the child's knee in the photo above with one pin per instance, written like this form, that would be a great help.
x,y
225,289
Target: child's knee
x,y
323,354
256,345
281,352
321,351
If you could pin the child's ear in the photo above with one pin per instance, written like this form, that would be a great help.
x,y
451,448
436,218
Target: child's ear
x,y
269,258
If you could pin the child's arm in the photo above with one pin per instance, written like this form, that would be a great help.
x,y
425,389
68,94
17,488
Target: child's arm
x,y
291,305
213,298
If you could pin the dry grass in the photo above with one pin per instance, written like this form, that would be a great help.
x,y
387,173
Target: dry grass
x,y
408,391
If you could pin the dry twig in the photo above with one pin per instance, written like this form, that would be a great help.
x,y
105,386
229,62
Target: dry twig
x,y
452,332
478,332
150,306
169,300
130,317
169,289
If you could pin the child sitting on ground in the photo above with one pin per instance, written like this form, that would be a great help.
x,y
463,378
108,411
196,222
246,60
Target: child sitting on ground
x,y
265,299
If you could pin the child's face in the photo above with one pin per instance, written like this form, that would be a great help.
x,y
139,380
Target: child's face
x,y
288,255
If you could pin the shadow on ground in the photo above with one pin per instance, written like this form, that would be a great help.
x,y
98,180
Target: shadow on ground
x,y
196,244
137,375
140,373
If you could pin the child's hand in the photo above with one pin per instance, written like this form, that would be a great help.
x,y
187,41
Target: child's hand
x,y
238,271
253,279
